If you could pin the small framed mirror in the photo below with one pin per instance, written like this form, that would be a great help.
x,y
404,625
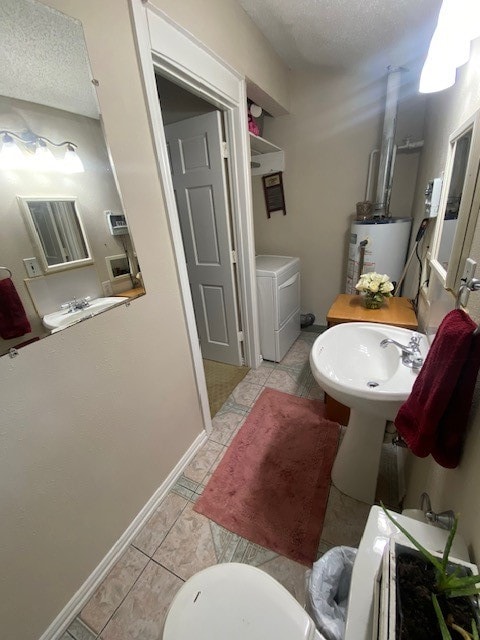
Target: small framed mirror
x,y
458,215
57,231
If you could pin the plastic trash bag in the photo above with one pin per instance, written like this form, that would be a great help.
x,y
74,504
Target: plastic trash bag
x,y
328,585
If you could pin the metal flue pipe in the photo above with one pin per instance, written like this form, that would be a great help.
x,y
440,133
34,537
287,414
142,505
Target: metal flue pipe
x,y
388,142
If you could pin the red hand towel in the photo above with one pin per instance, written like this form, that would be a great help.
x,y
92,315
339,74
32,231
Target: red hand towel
x,y
447,449
419,417
13,319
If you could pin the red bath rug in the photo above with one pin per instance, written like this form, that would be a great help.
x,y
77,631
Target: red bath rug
x,y
272,484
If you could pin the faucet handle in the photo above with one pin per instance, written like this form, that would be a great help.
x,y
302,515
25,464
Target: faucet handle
x,y
417,363
415,339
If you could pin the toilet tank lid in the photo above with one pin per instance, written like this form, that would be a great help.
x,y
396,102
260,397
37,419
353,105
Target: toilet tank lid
x,y
238,602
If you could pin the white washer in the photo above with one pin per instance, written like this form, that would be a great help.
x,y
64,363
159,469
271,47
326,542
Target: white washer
x,y
238,602
278,292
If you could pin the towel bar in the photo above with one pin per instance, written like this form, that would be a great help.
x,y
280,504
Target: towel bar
x,y
471,285
7,269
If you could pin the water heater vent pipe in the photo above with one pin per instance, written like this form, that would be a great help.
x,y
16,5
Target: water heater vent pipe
x,y
388,141
368,188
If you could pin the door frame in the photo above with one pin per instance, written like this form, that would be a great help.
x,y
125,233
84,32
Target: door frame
x,y
165,46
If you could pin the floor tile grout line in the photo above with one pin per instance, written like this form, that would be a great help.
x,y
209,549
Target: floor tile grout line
x,y
168,569
170,528
125,597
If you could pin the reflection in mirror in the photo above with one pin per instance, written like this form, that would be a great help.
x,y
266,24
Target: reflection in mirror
x,y
57,232
460,150
118,266
55,243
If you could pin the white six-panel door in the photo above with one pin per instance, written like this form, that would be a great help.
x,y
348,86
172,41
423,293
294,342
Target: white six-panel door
x,y
200,185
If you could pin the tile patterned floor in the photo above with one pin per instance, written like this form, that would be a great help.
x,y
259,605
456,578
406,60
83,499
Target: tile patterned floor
x,y
176,542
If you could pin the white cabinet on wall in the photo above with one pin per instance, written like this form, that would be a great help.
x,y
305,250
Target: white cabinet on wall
x,y
265,156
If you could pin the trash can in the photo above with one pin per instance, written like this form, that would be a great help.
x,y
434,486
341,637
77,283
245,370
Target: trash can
x,y
328,586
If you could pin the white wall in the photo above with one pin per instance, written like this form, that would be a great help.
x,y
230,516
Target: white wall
x,y
94,418
450,489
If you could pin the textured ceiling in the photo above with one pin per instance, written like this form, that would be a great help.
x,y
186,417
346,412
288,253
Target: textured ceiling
x,y
346,33
44,58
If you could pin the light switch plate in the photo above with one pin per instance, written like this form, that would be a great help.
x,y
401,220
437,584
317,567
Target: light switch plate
x,y
32,267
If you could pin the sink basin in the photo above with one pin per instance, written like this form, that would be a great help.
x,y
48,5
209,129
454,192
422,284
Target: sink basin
x,y
61,319
349,364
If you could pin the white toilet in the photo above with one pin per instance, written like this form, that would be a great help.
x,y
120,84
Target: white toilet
x,y
240,602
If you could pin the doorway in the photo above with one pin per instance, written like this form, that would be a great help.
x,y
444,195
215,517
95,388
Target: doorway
x,y
165,48
194,132
197,150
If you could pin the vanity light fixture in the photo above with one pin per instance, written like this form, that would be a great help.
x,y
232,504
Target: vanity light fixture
x,y
71,161
10,155
458,24
31,151
43,159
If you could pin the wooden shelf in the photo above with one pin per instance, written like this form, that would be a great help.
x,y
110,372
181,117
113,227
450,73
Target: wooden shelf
x,y
131,293
350,308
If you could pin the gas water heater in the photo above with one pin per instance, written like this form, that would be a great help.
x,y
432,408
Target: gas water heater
x,y
377,244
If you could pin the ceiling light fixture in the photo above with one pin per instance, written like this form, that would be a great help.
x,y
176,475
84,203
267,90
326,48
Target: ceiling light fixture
x,y
458,24
31,151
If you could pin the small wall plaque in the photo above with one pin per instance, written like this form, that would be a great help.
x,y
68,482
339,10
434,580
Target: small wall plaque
x,y
274,196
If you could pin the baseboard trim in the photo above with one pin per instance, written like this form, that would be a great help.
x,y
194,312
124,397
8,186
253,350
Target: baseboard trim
x,y
81,597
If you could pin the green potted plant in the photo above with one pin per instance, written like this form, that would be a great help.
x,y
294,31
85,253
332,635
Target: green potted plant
x,y
430,596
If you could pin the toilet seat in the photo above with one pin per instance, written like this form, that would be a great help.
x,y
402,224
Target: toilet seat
x,y
238,602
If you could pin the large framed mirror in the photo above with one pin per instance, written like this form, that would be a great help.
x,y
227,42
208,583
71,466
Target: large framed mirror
x,y
57,185
458,215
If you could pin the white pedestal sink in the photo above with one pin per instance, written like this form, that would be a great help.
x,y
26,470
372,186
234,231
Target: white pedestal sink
x,y
349,364
61,319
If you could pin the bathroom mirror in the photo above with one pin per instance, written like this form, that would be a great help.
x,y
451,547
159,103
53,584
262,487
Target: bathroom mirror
x,y
57,187
57,232
456,223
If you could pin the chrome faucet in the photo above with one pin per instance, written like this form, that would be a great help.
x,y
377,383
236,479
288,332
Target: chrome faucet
x,y
410,353
76,305
445,519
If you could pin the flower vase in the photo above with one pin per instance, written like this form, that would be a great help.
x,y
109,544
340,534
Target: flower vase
x,y
373,300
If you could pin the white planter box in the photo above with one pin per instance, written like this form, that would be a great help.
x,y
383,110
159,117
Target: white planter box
x,y
385,588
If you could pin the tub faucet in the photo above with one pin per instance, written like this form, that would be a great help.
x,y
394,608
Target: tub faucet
x,y
410,353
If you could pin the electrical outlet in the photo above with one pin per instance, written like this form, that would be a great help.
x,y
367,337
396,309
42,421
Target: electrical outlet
x,y
32,267
468,275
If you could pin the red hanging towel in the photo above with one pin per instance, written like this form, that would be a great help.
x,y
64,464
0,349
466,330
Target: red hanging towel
x,y
447,449
419,418
13,319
